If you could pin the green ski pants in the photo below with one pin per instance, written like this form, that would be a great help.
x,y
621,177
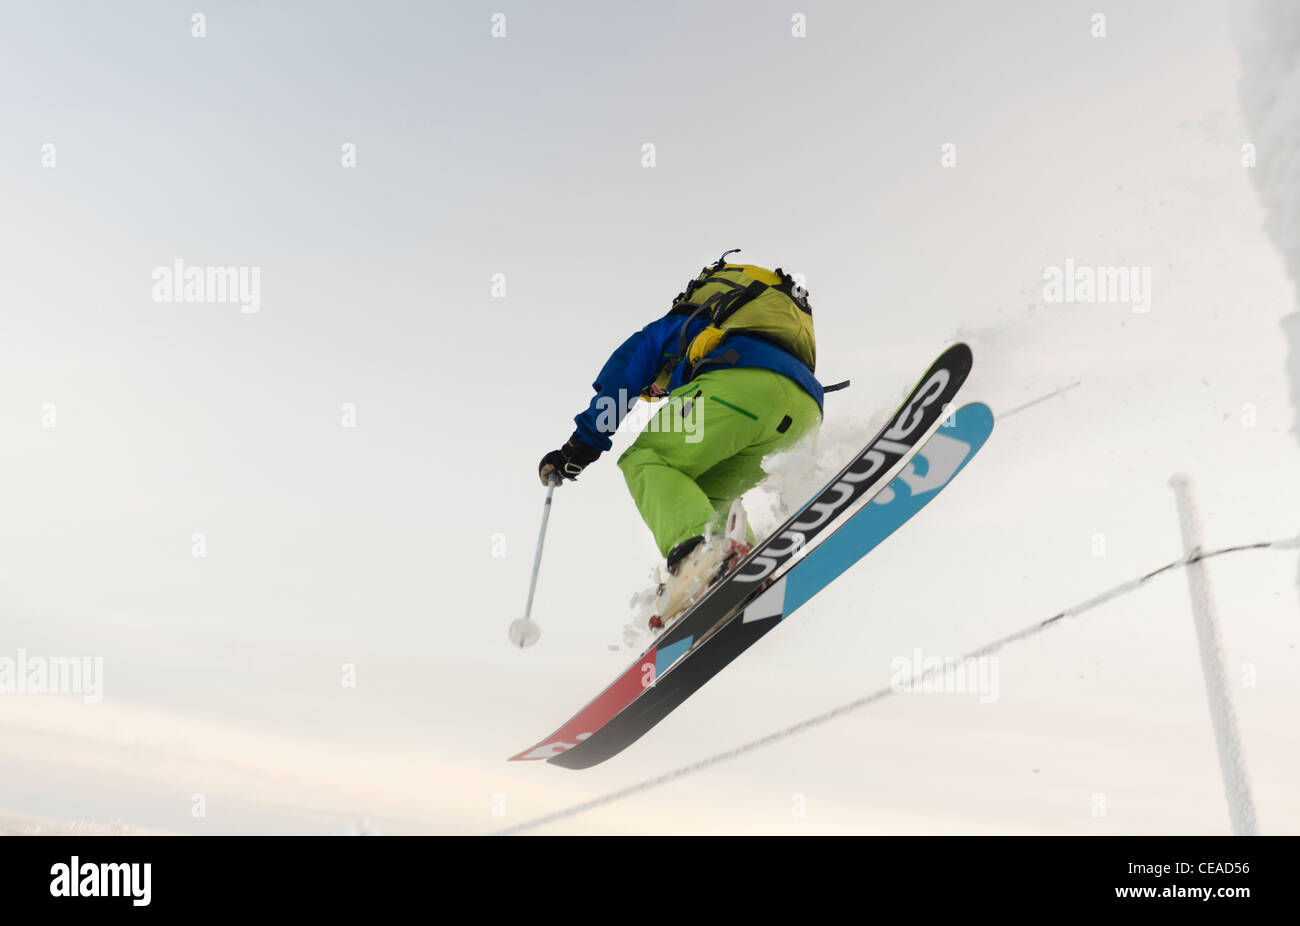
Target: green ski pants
x,y
705,447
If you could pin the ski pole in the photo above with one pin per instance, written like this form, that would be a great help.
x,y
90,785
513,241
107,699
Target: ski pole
x,y
524,632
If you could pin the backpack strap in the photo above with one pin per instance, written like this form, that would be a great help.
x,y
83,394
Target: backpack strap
x,y
721,305
732,302
682,304
726,359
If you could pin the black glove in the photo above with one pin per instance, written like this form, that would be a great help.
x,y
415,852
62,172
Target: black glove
x,y
568,461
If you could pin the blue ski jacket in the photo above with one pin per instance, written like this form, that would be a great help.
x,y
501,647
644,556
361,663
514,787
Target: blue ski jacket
x,y
631,369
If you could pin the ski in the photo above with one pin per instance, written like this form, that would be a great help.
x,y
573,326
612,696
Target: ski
x,y
933,467
919,416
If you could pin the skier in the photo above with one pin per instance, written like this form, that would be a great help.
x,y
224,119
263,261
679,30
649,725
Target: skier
x,y
734,357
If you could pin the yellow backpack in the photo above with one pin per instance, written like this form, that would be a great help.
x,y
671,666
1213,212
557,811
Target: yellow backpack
x,y
749,300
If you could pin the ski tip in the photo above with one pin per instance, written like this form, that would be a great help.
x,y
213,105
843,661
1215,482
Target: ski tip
x,y
960,354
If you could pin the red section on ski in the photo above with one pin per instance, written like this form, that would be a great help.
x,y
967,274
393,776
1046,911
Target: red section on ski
x,y
598,713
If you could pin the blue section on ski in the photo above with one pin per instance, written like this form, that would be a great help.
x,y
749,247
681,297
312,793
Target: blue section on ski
x,y
933,467
665,657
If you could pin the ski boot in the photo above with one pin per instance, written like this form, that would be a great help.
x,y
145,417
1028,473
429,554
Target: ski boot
x,y
696,564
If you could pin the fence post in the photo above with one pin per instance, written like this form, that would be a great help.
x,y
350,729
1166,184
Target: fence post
x,y
1241,809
